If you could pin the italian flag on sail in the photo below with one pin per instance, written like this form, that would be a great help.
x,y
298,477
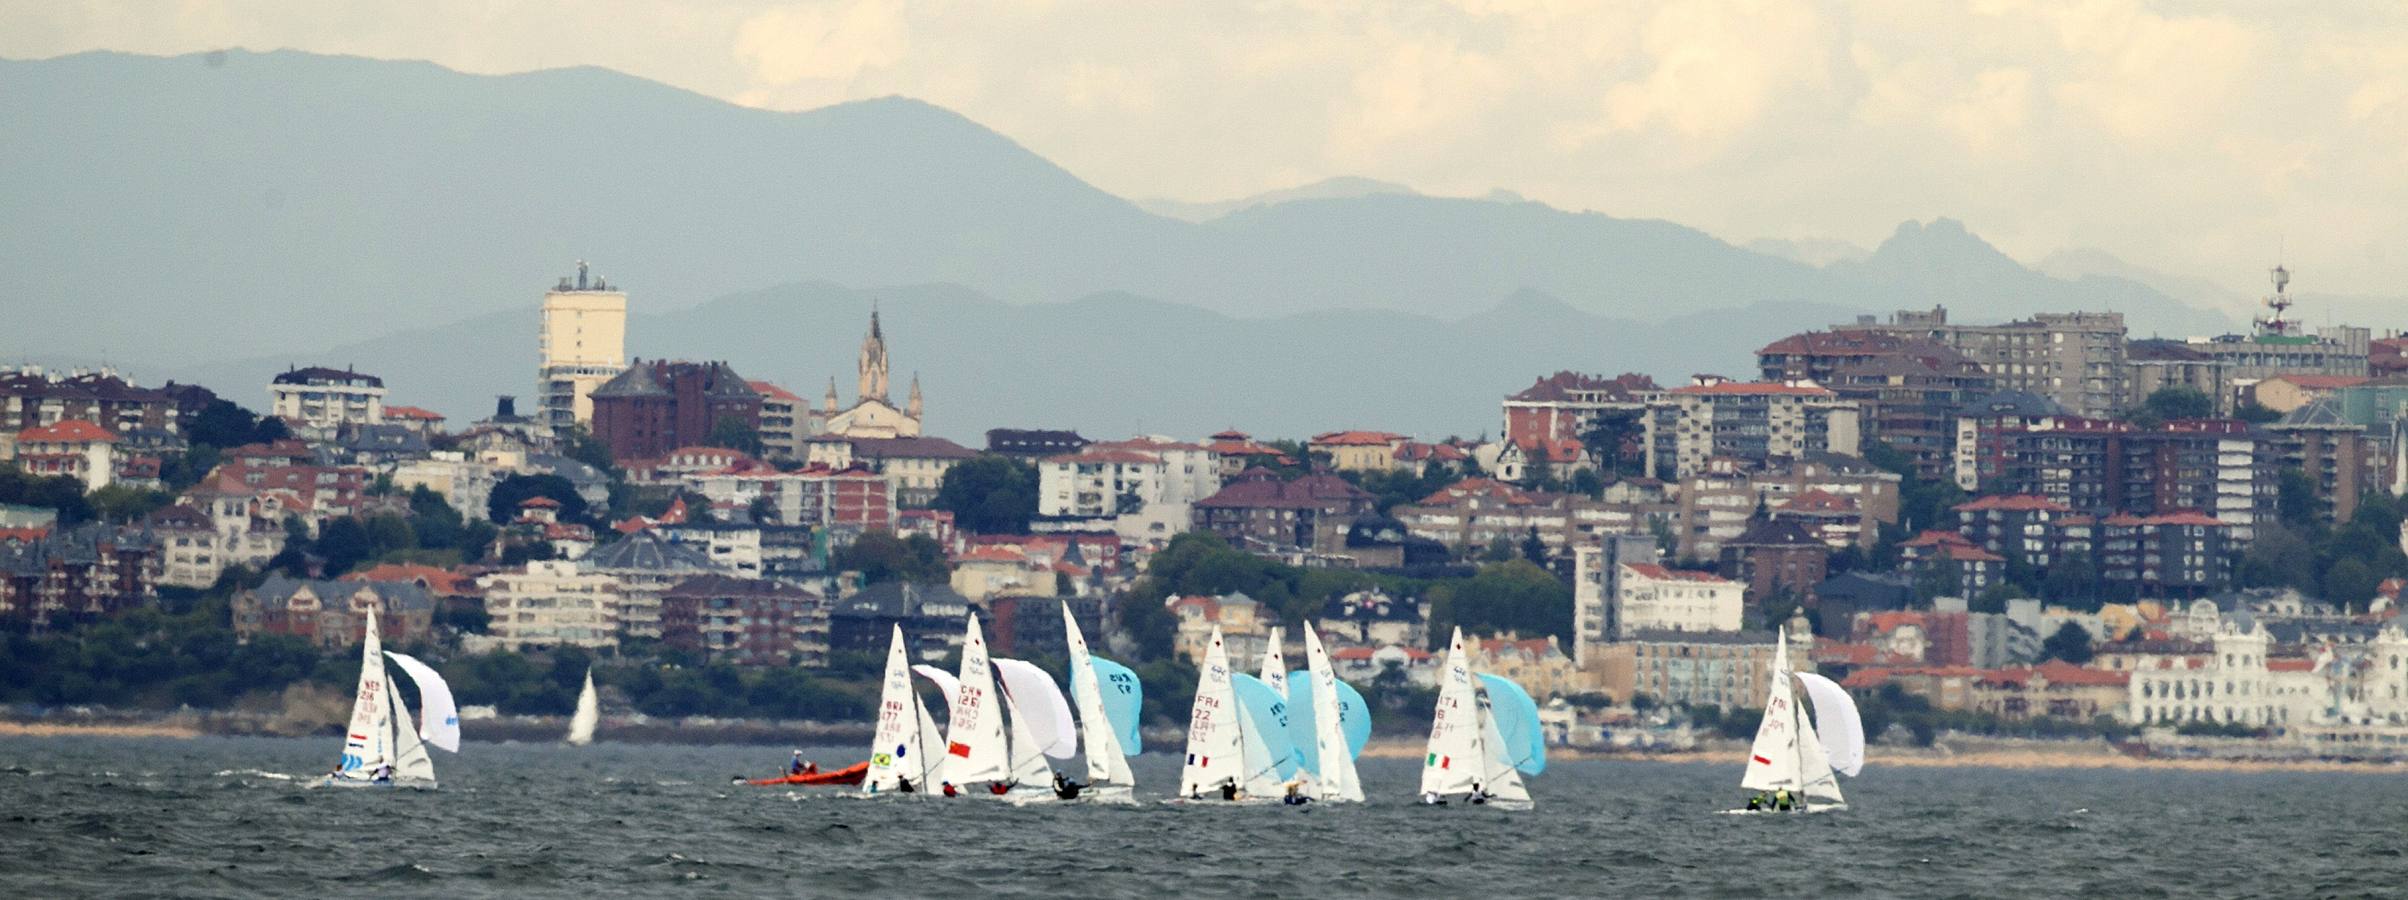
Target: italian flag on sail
x,y
1439,761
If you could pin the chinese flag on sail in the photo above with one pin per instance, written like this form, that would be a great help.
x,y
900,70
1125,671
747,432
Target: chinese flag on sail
x,y
958,748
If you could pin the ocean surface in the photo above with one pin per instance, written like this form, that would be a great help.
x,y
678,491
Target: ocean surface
x,y
226,817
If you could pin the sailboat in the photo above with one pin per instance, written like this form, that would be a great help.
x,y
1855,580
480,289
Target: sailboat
x,y
1327,735
588,715
899,750
1108,698
1041,728
380,749
978,757
1484,736
1216,755
1806,761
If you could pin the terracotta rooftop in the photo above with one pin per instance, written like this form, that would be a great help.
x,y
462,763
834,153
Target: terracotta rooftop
x,y
70,431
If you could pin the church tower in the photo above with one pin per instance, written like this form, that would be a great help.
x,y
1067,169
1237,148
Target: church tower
x,y
873,362
911,407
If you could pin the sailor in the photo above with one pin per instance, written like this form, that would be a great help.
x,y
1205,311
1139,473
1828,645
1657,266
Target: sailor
x,y
1066,788
1431,798
1782,800
1477,797
1229,789
998,788
951,791
904,784
384,774
1295,792
1755,802
796,765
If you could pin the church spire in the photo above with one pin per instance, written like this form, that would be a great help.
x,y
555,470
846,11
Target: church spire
x,y
873,361
912,407
831,395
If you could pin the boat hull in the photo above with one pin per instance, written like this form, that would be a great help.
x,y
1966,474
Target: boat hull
x,y
850,775
333,782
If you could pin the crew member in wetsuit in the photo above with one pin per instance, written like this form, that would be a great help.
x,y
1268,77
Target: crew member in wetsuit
x,y
904,784
1229,789
998,788
1755,802
1783,801
1066,788
951,791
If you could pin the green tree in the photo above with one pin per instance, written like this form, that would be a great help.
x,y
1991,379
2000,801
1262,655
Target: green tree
x,y
2072,582
125,503
733,433
881,556
2254,413
343,543
990,494
2071,643
1513,596
502,505
2296,505
2176,401
2279,557
579,444
2349,584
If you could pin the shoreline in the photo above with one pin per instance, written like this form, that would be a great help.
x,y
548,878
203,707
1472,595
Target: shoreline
x,y
1974,753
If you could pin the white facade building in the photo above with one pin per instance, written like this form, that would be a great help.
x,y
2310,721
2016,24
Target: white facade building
x,y
318,401
552,603
1654,598
1145,488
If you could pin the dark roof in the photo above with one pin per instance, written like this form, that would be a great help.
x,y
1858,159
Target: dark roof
x,y
1033,441
900,447
901,600
2021,404
320,374
725,384
1561,385
638,381
1777,533
647,551
397,596
715,585
1308,492
384,439
1867,591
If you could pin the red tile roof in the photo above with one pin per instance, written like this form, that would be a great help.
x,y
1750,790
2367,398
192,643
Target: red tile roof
x,y
1937,538
1817,500
411,412
770,391
539,503
70,431
1356,438
1487,488
2290,665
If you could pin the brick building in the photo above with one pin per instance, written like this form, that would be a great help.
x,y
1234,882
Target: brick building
x,y
658,406
747,621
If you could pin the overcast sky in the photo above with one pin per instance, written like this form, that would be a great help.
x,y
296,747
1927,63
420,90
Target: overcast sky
x,y
2193,137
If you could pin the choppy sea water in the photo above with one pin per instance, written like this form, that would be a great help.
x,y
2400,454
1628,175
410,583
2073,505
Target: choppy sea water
x,y
230,818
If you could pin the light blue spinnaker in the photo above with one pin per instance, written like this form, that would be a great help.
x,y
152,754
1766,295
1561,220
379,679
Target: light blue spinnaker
x,y
1267,716
1517,723
1354,719
1124,701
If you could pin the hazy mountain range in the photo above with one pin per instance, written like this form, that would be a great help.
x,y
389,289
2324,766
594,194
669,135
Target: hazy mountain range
x,y
218,216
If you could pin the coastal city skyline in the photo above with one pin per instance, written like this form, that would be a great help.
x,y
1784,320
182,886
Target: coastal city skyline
x,y
1437,448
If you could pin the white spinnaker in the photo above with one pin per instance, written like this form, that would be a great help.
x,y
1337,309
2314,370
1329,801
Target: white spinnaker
x,y
1337,781
367,740
976,750
1215,752
1106,764
1836,723
1773,760
896,749
946,684
1029,769
588,715
1498,776
439,717
1453,758
1037,699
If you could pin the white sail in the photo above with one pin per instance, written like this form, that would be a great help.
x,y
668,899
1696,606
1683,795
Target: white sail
x,y
1275,663
1497,774
1836,722
975,750
946,684
368,739
1817,781
1031,777
897,749
439,717
1215,750
1773,760
1336,781
1107,766
1453,759
412,764
1037,698
932,742
588,715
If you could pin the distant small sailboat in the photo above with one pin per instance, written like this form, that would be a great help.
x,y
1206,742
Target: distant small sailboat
x,y
1108,697
588,715
380,749
1484,736
1788,756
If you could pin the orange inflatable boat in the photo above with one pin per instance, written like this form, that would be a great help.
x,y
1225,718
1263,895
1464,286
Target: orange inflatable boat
x,y
849,775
